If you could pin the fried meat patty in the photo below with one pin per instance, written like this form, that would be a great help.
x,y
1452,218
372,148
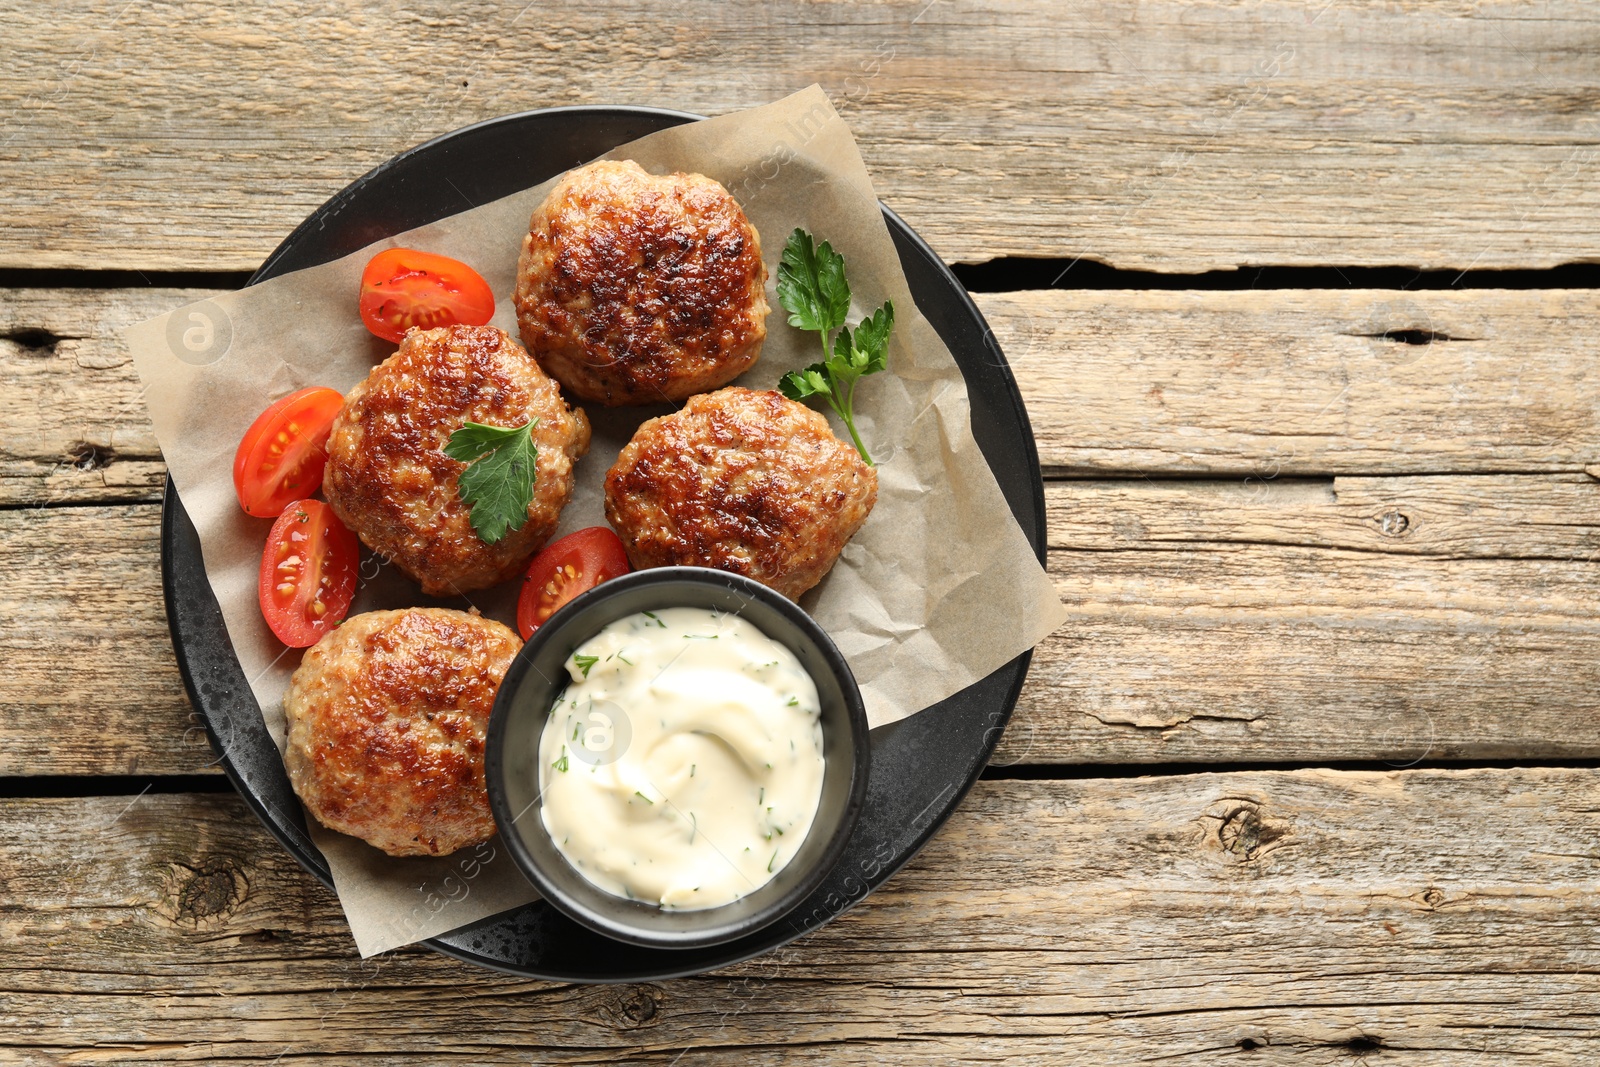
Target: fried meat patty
x,y
386,722
743,481
388,477
634,288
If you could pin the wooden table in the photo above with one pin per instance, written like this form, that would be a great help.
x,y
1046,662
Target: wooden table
x,y
1311,774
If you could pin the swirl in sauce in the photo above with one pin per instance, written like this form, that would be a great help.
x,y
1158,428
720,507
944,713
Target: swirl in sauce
x,y
683,764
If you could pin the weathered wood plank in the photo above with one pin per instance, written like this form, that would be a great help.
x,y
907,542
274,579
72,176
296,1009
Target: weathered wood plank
x,y
1490,516
1209,622
1257,385
76,428
1185,136
90,684
1247,652
1440,918
1398,619
1286,382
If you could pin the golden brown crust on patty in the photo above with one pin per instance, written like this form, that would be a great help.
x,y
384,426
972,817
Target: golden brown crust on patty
x,y
390,481
634,288
386,722
744,481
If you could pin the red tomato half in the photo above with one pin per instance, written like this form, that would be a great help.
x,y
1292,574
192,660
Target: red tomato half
x,y
575,564
402,288
308,573
284,450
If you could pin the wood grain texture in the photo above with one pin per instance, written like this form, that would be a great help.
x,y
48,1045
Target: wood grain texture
x,y
1451,517
1281,622
1306,917
1265,384
1184,136
76,427
90,684
1250,385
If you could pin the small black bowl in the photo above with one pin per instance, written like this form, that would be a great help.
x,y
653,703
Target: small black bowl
x,y
537,676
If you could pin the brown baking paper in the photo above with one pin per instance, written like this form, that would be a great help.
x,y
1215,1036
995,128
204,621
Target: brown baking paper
x,y
938,589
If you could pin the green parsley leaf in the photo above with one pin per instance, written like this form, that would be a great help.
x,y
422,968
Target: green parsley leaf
x,y
811,284
799,384
839,359
872,338
562,764
473,439
502,465
813,289
585,662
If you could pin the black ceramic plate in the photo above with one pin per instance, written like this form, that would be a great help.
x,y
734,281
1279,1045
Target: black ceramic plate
x,y
921,766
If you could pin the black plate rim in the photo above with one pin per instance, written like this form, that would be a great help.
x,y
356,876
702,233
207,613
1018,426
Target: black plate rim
x,y
264,272
306,853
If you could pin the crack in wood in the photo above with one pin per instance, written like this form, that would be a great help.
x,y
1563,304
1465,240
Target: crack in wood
x,y
1163,721
1413,337
36,340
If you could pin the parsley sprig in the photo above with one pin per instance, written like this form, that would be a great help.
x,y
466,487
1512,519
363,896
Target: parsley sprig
x,y
502,465
812,288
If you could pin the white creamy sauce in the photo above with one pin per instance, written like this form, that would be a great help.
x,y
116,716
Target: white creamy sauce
x,y
683,764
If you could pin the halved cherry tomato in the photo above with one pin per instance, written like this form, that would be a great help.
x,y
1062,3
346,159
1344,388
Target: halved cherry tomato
x,y
308,573
402,288
575,564
284,450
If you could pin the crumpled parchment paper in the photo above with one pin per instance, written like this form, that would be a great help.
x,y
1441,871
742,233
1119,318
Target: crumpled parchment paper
x,y
937,590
